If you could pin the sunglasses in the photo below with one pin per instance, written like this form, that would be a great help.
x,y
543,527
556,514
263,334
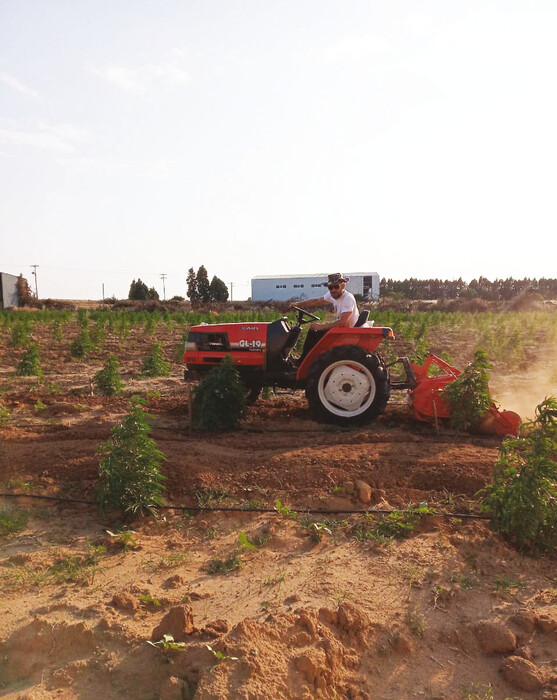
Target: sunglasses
x,y
333,286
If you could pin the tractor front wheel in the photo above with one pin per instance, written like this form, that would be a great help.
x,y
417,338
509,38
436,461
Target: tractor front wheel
x,y
347,386
253,392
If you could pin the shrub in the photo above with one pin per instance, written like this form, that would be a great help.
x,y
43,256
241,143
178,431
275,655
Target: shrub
x,y
82,345
57,335
108,380
20,335
30,364
154,364
98,335
220,400
468,396
82,319
129,469
522,495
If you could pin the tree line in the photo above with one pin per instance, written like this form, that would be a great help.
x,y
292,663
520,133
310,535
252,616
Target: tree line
x,y
482,288
199,289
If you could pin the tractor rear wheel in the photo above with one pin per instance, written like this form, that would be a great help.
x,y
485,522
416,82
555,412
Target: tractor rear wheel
x,y
347,386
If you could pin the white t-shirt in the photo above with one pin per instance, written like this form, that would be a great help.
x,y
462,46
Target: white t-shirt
x,y
345,303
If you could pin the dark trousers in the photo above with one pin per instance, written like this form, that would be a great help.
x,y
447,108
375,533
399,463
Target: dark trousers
x,y
312,338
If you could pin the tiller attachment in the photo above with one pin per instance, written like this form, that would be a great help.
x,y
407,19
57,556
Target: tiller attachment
x,y
428,403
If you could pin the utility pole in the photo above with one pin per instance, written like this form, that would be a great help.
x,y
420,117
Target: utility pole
x,y
231,290
163,277
36,283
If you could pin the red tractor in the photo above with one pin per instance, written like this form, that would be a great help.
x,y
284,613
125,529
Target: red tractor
x,y
345,379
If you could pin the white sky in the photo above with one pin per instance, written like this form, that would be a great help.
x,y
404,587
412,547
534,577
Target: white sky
x,y
412,138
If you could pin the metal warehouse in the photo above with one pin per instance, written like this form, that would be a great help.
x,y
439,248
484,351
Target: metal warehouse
x,y
287,287
8,290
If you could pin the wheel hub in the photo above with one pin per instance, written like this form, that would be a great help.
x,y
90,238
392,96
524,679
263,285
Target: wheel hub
x,y
347,388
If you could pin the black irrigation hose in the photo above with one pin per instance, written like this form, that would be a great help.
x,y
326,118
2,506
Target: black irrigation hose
x,y
225,509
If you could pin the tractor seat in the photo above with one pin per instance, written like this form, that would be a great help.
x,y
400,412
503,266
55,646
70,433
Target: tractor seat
x,y
362,319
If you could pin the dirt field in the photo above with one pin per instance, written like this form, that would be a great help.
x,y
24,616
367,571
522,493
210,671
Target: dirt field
x,y
318,608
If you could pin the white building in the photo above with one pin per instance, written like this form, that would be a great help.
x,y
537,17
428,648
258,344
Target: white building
x,y
286,287
8,290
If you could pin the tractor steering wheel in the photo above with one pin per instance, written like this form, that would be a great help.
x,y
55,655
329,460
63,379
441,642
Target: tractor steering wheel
x,y
301,313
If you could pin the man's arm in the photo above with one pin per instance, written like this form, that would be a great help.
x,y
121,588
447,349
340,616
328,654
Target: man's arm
x,y
343,322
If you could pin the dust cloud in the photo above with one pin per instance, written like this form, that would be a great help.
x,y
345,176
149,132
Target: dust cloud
x,y
522,393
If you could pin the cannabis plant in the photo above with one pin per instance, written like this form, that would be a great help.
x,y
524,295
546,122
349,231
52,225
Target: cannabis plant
x,y
522,495
220,400
468,396
129,469
154,364
82,345
30,363
108,380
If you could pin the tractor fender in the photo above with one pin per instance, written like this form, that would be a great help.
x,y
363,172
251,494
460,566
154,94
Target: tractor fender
x,y
368,339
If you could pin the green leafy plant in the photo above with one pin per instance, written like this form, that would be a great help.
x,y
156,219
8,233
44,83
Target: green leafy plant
x,y
39,405
468,396
124,538
316,531
285,511
98,335
82,345
129,469
522,495
224,566
220,399
108,380
245,542
154,364
57,335
30,363
20,335
11,520
149,600
167,644
219,656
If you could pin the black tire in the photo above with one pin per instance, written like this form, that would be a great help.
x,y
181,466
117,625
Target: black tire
x,y
347,386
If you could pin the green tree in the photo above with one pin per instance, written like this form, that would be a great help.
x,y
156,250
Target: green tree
x,y
138,290
522,495
129,469
203,285
218,291
191,281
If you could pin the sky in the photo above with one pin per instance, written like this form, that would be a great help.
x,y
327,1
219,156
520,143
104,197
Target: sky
x,y
413,138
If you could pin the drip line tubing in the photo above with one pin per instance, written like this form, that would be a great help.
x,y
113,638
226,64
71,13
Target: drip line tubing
x,y
228,509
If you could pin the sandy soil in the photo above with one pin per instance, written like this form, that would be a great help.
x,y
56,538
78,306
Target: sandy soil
x,y
317,609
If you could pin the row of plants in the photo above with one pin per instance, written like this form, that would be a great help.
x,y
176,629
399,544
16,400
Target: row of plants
x,y
108,380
